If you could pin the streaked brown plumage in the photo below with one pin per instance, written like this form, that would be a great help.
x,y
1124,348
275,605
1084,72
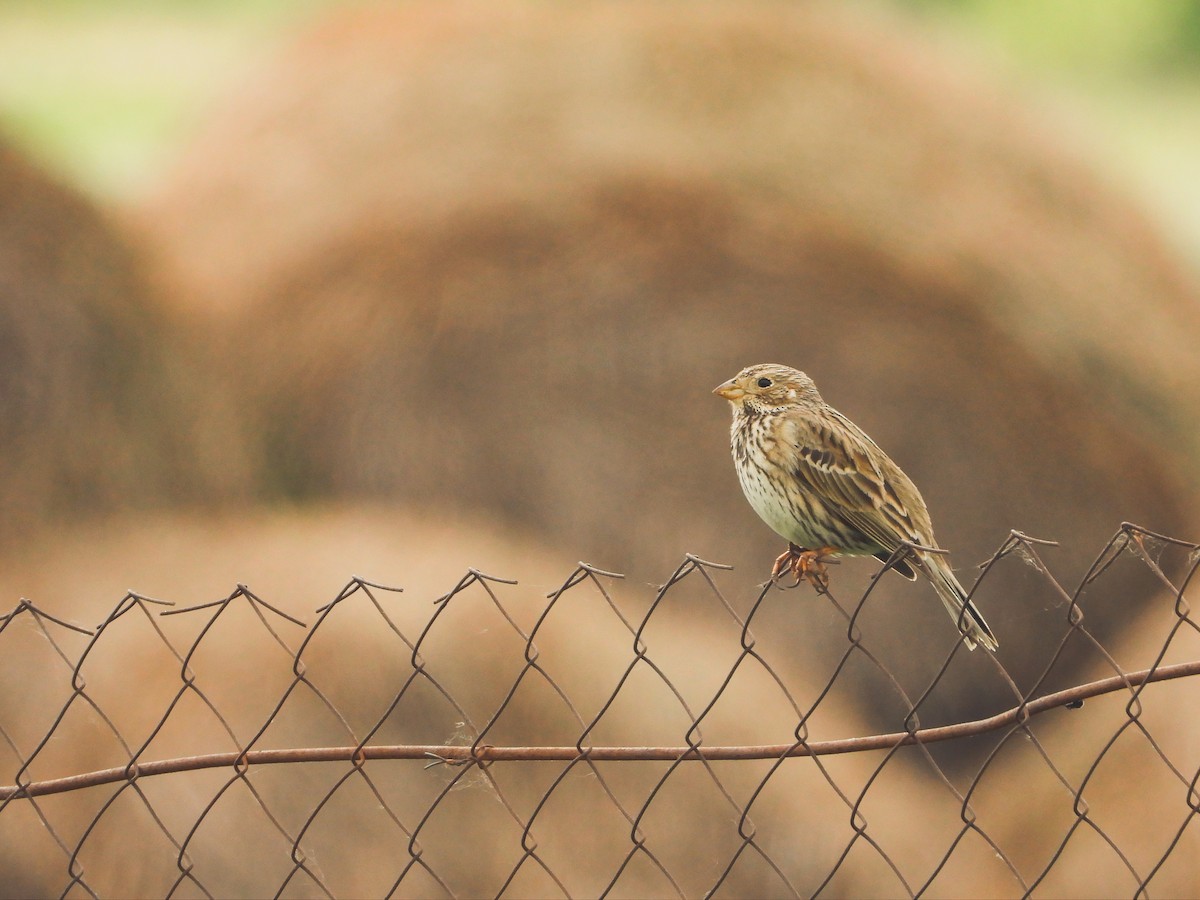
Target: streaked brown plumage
x,y
825,487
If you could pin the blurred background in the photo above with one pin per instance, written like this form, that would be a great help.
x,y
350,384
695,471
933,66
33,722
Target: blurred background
x,y
295,290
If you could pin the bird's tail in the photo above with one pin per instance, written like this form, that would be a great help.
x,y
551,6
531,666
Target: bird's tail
x,y
968,619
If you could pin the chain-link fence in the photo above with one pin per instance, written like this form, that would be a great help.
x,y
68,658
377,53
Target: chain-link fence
x,y
607,740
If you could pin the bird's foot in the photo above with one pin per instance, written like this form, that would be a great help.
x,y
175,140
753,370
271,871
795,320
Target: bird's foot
x,y
805,565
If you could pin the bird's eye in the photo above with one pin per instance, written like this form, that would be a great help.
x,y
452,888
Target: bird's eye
x,y
764,382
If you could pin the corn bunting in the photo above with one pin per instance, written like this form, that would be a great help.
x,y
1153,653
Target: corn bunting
x,y
826,488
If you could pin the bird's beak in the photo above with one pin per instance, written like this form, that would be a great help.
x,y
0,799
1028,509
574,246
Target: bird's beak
x,y
730,391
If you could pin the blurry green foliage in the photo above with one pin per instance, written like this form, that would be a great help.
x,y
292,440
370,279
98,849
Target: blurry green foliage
x,y
1117,37
101,93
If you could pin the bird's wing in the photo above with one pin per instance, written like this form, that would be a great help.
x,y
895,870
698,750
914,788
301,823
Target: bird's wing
x,y
855,481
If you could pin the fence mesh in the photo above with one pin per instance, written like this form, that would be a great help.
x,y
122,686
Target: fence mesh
x,y
595,742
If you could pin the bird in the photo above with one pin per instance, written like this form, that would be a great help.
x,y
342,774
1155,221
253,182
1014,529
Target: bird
x,y
826,488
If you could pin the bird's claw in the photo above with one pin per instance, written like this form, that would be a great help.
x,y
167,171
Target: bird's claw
x,y
805,565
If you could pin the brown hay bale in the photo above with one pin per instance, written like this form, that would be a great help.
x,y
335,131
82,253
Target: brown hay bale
x,y
95,415
494,259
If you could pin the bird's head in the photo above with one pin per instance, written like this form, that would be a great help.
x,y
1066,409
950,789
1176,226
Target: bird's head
x,y
768,386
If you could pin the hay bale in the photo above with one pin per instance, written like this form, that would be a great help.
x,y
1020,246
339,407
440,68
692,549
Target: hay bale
x,y
92,392
494,259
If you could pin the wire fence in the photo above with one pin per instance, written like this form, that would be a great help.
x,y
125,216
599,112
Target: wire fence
x,y
601,741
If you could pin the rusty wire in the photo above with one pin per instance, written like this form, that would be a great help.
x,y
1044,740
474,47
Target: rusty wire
x,y
414,846
480,754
